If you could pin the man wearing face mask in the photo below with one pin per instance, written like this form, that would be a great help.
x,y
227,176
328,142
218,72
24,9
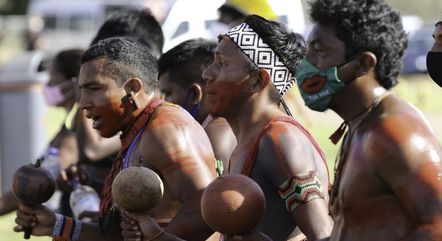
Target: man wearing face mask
x,y
387,176
434,57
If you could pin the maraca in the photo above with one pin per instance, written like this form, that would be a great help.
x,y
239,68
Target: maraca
x,y
137,188
233,204
33,185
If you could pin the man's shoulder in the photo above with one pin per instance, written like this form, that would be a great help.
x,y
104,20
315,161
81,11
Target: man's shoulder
x,y
397,131
287,127
170,114
218,125
397,122
288,136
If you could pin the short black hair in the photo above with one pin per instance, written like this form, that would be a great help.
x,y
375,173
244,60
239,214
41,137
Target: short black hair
x,y
68,62
132,23
366,25
187,61
289,46
125,59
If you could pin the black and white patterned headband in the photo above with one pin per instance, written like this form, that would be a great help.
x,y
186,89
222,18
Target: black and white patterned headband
x,y
262,55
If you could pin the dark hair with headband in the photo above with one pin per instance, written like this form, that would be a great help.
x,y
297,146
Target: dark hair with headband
x,y
290,47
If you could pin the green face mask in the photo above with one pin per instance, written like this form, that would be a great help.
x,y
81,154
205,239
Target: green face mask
x,y
317,86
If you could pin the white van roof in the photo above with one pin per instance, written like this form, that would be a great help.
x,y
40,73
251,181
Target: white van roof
x,y
195,18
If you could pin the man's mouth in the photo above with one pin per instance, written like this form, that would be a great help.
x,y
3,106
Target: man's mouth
x,y
95,120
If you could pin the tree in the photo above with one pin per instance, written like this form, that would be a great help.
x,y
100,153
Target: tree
x,y
9,7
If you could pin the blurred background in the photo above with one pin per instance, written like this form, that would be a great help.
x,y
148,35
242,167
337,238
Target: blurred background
x,y
31,31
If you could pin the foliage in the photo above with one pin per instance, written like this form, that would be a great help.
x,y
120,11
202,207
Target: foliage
x,y
13,7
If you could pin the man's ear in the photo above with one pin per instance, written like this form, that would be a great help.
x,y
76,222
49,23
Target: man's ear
x,y
262,80
196,93
134,85
367,62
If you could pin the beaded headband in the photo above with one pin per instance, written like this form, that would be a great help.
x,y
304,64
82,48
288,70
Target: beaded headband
x,y
262,55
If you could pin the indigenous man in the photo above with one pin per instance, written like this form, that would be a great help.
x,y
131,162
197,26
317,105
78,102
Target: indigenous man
x,y
119,91
252,69
387,184
180,82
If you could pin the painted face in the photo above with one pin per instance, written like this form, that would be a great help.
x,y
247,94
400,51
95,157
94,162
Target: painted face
x,y
101,98
171,91
227,80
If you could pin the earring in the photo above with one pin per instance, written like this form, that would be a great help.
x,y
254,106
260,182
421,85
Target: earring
x,y
130,97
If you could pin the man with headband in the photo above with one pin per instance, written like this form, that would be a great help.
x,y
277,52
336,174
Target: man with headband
x,y
252,70
387,183
434,57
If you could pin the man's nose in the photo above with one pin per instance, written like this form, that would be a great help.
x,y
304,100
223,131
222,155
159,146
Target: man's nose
x,y
206,75
83,103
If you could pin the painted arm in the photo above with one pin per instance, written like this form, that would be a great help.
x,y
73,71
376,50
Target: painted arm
x,y
222,139
43,220
408,158
295,158
182,153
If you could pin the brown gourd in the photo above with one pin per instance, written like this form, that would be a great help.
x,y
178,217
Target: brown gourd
x,y
33,185
233,204
137,188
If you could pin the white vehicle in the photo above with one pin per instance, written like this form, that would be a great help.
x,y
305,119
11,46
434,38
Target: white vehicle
x,y
195,18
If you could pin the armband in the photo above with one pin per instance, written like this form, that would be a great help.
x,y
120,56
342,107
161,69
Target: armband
x,y
66,229
301,189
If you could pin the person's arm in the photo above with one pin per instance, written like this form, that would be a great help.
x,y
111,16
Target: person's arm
x,y
91,144
407,157
293,156
437,47
43,221
140,226
222,139
187,164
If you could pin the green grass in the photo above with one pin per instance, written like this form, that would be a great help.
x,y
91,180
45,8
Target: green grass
x,y
6,234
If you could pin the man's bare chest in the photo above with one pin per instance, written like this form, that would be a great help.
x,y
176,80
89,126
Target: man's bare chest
x,y
357,182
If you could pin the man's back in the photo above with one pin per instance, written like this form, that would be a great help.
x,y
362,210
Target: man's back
x,y
388,176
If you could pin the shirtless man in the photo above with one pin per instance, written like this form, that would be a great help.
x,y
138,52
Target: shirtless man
x,y
119,91
180,82
245,84
434,57
387,184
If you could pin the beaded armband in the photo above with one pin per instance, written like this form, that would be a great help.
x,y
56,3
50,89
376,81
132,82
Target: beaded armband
x,y
66,229
301,189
